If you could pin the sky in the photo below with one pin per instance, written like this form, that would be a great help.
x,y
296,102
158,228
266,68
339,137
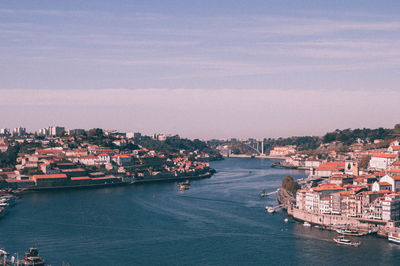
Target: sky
x,y
200,69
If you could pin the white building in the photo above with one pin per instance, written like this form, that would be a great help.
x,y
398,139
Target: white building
x,y
393,181
19,131
312,163
89,160
282,151
56,131
312,202
325,205
391,208
382,161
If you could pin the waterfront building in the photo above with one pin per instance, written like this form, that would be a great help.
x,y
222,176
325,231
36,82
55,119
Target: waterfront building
x,y
50,180
375,209
391,207
325,205
335,200
301,199
313,197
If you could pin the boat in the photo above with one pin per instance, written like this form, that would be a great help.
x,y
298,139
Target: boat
x,y
3,209
270,209
32,258
344,241
263,193
286,220
306,224
184,185
3,254
394,237
11,200
349,232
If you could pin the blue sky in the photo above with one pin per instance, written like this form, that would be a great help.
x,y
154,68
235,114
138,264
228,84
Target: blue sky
x,y
243,53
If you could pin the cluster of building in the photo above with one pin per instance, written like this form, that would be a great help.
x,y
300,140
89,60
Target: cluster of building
x,y
60,159
371,194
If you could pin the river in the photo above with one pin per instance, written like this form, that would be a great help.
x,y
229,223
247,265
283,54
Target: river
x,y
218,221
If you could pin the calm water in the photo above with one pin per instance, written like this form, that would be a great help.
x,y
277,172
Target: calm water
x,y
218,221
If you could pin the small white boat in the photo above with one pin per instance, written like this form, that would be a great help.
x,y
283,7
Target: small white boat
x,y
306,224
270,209
286,220
394,237
344,241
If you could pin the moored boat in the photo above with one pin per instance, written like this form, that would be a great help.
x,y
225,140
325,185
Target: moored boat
x,y
184,185
344,241
270,209
394,237
349,232
32,258
263,193
307,224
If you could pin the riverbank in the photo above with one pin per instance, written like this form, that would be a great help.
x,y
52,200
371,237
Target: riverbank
x,y
332,221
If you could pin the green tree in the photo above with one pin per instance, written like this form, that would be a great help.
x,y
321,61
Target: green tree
x,y
290,185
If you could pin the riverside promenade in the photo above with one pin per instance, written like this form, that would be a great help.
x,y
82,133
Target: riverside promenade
x,y
332,221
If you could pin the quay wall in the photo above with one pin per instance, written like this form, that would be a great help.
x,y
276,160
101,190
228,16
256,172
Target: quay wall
x,y
327,220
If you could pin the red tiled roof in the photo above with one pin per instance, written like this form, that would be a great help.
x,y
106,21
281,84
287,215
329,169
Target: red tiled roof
x,y
73,170
80,178
50,176
384,155
331,166
17,181
324,187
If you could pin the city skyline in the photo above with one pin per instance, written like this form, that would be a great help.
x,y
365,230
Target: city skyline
x,y
200,70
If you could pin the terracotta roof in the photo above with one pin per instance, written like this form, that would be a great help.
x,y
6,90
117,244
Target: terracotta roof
x,y
384,155
331,166
17,181
50,176
396,163
80,178
73,170
89,157
379,174
384,184
324,187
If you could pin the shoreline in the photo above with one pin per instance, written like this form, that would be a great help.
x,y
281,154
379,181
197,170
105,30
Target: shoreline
x,y
111,184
